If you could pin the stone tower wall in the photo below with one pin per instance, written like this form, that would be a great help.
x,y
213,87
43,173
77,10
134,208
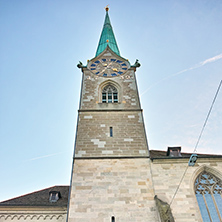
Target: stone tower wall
x,y
93,137
103,188
91,91
95,118
111,174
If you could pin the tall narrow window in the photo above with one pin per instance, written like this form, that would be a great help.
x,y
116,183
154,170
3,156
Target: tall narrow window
x,y
112,219
104,97
109,94
110,97
208,190
115,98
111,131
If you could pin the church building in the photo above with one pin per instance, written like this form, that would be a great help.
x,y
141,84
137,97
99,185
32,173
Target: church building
x,y
115,177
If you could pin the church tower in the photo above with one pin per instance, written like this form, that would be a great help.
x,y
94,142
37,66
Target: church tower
x,y
111,179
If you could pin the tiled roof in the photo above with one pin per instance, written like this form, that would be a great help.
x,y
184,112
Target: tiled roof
x,y
40,198
159,154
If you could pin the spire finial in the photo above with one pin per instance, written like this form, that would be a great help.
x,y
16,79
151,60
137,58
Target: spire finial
x,y
107,8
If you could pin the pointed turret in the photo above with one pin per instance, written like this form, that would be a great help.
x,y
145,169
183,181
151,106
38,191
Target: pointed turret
x,y
107,37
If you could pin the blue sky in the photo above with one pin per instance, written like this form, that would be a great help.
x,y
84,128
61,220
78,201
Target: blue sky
x,y
178,44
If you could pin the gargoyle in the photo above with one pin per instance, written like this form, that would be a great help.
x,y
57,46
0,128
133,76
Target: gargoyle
x,y
80,65
136,64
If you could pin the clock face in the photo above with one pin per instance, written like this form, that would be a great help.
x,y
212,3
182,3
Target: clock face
x,y
108,67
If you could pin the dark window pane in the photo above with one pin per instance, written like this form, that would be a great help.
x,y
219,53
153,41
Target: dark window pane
x,y
109,97
111,131
104,97
115,98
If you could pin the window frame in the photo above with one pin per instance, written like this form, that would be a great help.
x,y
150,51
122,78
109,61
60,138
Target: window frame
x,y
110,94
205,195
110,131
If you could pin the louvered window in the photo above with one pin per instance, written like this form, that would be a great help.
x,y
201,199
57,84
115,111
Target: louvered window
x,y
54,196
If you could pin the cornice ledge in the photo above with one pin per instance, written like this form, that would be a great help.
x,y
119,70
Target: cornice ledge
x,y
109,110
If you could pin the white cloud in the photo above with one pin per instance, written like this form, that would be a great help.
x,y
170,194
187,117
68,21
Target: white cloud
x,y
41,157
213,59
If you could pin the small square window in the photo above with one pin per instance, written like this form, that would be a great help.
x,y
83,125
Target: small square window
x,y
54,196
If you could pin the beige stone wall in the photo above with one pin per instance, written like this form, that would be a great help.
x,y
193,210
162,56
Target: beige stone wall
x,y
102,188
112,184
93,84
166,177
25,215
95,118
93,134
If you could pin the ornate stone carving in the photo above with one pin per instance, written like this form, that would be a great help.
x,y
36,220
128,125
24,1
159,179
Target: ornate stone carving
x,y
80,65
136,64
109,88
164,210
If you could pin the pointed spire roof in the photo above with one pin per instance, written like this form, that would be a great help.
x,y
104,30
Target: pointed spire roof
x,y
107,37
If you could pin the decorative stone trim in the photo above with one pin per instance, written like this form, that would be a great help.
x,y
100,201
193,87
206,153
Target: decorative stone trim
x,y
32,216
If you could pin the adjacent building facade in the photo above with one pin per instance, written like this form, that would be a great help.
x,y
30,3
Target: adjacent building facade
x,y
114,175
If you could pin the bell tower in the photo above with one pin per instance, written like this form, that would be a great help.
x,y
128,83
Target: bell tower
x,y
111,179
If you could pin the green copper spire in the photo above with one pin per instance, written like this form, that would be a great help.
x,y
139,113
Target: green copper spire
x,y
107,37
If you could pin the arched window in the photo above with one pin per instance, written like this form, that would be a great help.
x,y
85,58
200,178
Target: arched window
x,y
109,94
208,190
